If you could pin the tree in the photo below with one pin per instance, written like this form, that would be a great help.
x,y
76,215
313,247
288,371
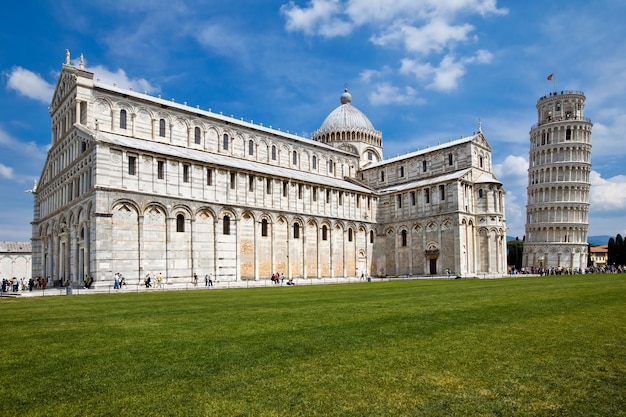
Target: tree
x,y
515,248
611,255
619,250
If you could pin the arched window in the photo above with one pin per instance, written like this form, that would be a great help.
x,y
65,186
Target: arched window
x,y
226,225
162,128
225,142
180,223
273,152
427,196
382,176
296,231
122,119
324,232
350,235
264,227
371,236
404,239
295,158
314,162
480,193
197,135
250,147
330,166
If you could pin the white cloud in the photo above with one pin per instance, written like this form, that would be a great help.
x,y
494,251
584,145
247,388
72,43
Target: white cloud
x,y
446,77
6,172
319,18
433,36
418,28
514,169
222,40
385,94
367,11
513,173
368,75
482,57
120,79
30,85
515,210
608,194
607,134
32,149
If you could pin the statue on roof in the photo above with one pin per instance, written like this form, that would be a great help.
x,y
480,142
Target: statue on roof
x,y
67,57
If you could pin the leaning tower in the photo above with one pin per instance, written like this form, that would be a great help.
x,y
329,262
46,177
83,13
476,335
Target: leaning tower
x,y
558,184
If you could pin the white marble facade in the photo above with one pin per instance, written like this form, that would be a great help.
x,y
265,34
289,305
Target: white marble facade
x,y
141,185
15,260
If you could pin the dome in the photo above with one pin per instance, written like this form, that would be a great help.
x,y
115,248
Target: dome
x,y
346,117
348,124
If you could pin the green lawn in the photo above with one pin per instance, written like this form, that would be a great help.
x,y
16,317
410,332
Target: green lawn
x,y
551,346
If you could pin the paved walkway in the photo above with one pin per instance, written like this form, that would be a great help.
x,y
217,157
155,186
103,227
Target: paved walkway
x,y
181,286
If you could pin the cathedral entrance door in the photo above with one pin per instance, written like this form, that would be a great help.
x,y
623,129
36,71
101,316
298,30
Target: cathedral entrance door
x,y
361,267
433,266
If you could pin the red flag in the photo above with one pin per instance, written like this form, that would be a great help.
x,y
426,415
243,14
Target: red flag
x,y
550,77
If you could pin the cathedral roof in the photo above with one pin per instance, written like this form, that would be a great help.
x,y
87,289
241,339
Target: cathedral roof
x,y
228,161
346,117
424,151
411,185
15,247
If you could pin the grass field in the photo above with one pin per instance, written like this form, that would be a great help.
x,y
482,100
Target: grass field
x,y
551,346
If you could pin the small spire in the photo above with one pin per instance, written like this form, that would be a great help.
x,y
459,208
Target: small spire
x,y
82,62
480,126
346,97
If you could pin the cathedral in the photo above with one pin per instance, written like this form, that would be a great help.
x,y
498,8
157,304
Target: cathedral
x,y
139,185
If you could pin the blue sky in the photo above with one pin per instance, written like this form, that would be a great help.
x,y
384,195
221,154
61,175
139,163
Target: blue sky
x,y
423,72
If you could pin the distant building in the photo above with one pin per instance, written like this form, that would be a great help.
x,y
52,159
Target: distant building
x,y
15,260
599,255
558,183
141,185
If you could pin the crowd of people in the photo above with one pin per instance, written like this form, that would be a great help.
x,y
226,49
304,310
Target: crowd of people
x,y
153,281
279,278
606,269
22,284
